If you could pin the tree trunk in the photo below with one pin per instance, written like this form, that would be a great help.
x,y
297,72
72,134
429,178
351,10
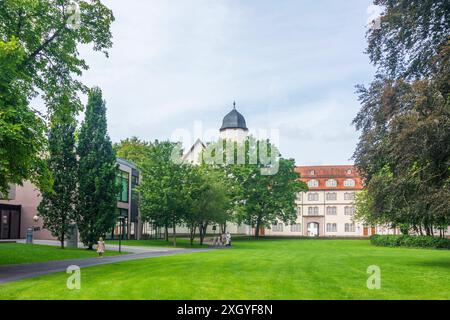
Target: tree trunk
x,y
174,229
166,233
258,225
192,234
223,228
62,240
203,228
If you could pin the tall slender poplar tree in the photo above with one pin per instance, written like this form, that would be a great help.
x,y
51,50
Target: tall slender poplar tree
x,y
97,173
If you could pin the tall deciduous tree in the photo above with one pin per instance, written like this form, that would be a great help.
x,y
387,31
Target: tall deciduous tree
x,y
22,131
97,171
267,183
404,150
209,201
57,207
163,195
39,55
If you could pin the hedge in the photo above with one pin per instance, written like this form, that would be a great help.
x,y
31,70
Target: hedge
x,y
410,241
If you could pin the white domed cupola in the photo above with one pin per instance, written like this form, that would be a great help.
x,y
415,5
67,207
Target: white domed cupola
x,y
234,126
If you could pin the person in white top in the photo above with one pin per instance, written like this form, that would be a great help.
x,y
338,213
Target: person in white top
x,y
228,239
100,247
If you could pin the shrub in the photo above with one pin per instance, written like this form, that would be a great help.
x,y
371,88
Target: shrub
x,y
410,241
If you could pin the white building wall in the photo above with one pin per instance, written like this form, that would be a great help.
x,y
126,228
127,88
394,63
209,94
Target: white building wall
x,y
237,135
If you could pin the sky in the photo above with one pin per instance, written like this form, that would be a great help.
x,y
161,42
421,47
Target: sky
x,y
291,66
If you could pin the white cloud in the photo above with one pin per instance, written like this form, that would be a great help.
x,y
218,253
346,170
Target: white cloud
x,y
290,64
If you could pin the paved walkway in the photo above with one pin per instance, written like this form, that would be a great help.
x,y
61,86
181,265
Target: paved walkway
x,y
20,271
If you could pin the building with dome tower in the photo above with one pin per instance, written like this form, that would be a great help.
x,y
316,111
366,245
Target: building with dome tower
x,y
325,210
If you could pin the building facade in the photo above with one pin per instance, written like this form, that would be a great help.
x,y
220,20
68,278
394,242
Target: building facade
x,y
18,210
327,208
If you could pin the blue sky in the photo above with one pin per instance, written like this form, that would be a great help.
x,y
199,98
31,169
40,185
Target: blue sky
x,y
291,66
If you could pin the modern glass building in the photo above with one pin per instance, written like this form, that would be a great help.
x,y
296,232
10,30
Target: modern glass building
x,y
18,208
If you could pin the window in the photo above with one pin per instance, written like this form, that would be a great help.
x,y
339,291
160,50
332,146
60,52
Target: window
x,y
313,196
349,227
277,227
349,196
312,172
299,211
331,183
349,171
349,183
296,227
331,227
313,183
313,211
122,180
331,211
349,211
331,195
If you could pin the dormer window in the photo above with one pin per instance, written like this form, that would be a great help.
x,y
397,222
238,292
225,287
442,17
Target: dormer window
x,y
313,183
331,183
349,183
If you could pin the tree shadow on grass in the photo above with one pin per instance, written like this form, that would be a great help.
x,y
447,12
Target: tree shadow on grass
x,y
434,264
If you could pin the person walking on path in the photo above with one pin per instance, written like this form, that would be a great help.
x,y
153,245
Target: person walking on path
x,y
228,239
100,247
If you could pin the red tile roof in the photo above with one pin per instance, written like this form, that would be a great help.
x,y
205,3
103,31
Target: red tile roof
x,y
340,173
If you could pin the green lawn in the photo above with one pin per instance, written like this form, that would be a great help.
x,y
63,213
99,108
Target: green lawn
x,y
265,269
16,253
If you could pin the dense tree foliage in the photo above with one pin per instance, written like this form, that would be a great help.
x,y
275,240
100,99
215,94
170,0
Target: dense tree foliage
x,y
57,208
97,169
134,150
209,201
39,55
404,148
266,184
22,131
163,192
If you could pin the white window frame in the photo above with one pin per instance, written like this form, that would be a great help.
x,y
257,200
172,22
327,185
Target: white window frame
x,y
329,194
349,196
313,196
347,209
349,227
331,183
313,211
332,210
349,183
313,183
296,227
332,227
277,227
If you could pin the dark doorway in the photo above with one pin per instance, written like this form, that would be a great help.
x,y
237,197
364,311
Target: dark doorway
x,y
9,222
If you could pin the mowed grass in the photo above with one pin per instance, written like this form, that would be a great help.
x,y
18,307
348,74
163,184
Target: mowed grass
x,y
264,269
18,253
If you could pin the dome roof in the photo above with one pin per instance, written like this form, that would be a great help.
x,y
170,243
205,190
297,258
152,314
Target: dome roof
x,y
234,120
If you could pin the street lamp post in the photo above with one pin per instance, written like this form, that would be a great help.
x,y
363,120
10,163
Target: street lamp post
x,y
121,219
